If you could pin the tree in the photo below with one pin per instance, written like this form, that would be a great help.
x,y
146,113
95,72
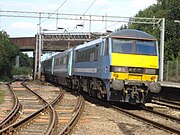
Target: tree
x,y
170,10
8,53
122,27
25,61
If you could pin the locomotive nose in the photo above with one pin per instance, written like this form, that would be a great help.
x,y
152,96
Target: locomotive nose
x,y
155,87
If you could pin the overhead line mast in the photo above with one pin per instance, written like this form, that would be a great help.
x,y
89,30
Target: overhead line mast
x,y
160,22
39,51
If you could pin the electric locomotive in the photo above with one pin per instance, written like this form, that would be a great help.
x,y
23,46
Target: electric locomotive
x,y
121,67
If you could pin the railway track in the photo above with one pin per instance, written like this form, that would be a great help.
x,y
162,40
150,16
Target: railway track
x,y
168,123
54,118
69,112
75,117
170,104
41,114
143,118
30,119
172,118
16,107
148,116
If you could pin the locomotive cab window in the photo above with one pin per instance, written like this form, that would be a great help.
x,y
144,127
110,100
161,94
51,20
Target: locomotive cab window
x,y
146,47
134,47
122,46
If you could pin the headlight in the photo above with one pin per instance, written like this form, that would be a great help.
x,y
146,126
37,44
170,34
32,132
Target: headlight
x,y
118,69
151,71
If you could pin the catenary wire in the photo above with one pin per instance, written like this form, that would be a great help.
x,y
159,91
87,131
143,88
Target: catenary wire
x,y
102,7
109,26
83,14
89,7
55,10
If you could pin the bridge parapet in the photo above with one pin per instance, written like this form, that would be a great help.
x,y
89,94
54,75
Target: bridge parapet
x,y
82,36
24,43
55,41
63,41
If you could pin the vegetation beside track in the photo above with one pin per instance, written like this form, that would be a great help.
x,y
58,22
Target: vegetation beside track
x,y
21,70
1,96
8,54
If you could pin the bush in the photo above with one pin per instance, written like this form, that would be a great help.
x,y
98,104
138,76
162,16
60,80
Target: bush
x,y
22,71
1,96
4,79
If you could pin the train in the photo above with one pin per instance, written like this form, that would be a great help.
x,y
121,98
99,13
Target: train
x,y
120,67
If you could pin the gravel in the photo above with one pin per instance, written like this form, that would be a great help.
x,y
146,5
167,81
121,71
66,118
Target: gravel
x,y
98,120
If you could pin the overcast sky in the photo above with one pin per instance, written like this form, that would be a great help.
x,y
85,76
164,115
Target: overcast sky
x,y
21,27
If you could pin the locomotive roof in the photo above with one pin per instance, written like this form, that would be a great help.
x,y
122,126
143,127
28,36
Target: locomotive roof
x,y
88,44
132,34
126,34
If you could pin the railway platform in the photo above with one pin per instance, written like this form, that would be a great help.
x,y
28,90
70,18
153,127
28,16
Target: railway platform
x,y
170,91
170,84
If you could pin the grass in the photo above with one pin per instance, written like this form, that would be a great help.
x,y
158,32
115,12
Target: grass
x,y
1,96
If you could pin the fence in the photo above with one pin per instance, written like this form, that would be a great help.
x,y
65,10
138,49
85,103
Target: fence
x,y
172,71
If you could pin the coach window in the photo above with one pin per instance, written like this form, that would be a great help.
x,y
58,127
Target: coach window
x,y
101,48
88,54
96,53
106,47
76,56
67,57
57,61
61,61
64,60
84,55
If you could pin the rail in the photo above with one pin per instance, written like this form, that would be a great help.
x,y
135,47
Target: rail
x,y
54,119
14,112
17,125
78,111
168,101
168,104
128,113
161,114
153,123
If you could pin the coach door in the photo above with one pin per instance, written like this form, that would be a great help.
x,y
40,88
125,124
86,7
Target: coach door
x,y
105,61
100,48
70,59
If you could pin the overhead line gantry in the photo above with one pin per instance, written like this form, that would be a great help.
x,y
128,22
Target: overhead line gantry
x,y
160,22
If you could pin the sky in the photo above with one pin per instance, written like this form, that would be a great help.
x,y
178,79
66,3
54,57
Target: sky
x,y
24,27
